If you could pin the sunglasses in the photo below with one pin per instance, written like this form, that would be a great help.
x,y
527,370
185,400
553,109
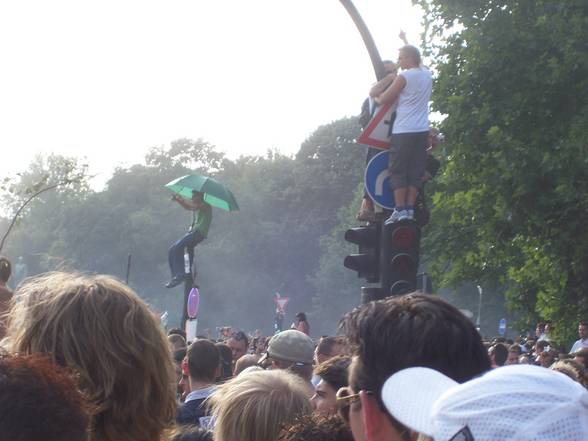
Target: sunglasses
x,y
344,401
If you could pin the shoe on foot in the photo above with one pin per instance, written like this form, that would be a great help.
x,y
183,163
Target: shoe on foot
x,y
396,216
410,214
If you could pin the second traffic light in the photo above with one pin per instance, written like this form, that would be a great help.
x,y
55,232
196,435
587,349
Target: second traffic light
x,y
366,261
399,259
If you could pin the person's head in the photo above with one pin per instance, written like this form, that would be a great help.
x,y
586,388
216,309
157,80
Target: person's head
x,y
255,405
39,400
239,343
226,358
498,354
203,362
390,67
333,375
328,347
539,329
197,196
540,346
548,326
244,362
571,368
301,317
99,328
292,350
177,331
399,332
316,428
546,358
519,403
583,330
514,352
176,342
5,269
408,57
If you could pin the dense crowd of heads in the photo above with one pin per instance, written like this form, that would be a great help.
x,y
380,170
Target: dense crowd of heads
x,y
86,359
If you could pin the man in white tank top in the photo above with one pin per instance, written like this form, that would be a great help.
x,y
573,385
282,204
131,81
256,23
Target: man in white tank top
x,y
408,152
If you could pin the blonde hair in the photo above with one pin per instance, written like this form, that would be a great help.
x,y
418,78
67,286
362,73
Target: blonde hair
x,y
256,405
101,329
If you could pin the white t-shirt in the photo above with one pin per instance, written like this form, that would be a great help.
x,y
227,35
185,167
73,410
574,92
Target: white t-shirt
x,y
580,344
412,114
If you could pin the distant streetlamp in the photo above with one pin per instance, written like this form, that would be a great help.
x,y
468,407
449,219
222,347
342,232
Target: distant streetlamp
x,y
479,307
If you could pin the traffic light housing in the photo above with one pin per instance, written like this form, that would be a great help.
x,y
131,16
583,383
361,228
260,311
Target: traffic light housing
x,y
399,260
366,261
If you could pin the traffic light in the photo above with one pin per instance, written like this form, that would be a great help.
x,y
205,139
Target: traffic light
x,y
366,261
399,260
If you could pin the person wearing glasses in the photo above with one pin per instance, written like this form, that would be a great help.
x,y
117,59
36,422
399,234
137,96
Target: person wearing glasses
x,y
396,333
332,376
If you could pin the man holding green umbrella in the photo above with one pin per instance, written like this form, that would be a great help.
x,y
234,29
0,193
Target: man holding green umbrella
x,y
198,194
201,220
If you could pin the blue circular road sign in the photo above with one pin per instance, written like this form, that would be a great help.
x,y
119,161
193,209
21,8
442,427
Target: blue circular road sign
x,y
377,180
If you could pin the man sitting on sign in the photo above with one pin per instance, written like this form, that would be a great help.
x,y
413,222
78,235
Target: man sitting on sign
x,y
202,217
408,151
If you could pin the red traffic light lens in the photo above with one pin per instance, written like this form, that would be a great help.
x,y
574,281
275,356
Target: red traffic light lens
x,y
403,237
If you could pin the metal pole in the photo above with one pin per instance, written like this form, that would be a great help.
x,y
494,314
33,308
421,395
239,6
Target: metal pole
x,y
367,39
479,306
128,268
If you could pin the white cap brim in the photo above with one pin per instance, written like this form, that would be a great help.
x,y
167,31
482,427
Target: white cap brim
x,y
410,395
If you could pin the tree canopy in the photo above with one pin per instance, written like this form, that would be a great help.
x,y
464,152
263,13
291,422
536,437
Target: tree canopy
x,y
512,81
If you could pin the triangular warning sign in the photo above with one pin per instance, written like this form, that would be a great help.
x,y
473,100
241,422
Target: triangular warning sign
x,y
282,302
379,131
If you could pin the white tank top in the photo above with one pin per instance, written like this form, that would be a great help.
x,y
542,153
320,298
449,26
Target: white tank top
x,y
412,114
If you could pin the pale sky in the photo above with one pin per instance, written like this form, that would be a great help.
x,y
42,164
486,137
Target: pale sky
x,y
107,80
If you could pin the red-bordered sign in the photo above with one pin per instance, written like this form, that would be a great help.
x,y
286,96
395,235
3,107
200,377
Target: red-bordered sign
x,y
379,131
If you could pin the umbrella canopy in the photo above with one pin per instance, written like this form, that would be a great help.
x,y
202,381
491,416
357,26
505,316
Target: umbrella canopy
x,y
215,193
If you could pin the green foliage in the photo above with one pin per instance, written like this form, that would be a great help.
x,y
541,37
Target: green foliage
x,y
511,202
272,244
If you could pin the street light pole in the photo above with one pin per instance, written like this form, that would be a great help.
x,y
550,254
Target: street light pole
x,y
479,307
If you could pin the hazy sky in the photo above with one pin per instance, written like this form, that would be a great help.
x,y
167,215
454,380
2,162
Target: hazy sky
x,y
108,79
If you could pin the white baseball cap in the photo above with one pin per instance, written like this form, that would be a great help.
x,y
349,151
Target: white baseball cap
x,y
517,402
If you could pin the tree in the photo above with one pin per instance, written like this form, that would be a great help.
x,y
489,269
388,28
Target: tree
x,y
67,177
510,205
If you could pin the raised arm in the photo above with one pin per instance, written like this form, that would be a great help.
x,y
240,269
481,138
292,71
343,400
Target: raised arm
x,y
187,204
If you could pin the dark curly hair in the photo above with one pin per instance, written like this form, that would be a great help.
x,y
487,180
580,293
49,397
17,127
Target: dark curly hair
x,y
39,400
412,330
316,428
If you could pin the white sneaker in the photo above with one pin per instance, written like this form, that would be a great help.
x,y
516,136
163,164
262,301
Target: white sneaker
x,y
396,216
410,214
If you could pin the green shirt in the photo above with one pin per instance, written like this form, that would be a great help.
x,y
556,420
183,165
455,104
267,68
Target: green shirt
x,y
203,219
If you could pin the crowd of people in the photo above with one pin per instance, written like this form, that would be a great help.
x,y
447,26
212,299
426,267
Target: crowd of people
x,y
84,358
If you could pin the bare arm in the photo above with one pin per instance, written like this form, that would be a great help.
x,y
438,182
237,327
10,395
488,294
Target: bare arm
x,y
186,203
391,93
382,85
